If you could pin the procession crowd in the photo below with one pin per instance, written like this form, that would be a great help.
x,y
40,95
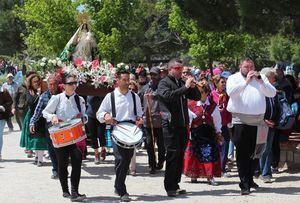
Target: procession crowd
x,y
196,121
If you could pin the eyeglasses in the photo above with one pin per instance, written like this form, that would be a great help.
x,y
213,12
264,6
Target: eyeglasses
x,y
186,73
71,83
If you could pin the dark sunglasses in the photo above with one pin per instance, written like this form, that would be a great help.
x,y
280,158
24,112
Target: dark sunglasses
x,y
178,67
71,83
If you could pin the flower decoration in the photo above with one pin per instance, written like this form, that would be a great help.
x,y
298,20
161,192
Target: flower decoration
x,y
97,73
122,67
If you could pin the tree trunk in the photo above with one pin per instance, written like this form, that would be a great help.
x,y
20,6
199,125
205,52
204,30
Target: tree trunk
x,y
210,67
148,60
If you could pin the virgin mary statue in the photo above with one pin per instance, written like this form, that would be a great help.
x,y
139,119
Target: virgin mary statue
x,y
82,45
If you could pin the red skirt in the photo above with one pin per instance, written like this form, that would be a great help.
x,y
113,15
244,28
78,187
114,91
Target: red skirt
x,y
193,168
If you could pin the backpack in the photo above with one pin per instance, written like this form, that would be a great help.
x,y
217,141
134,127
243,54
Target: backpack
x,y
287,117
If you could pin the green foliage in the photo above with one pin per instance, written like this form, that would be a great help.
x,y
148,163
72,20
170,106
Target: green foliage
x,y
49,23
132,30
10,28
296,52
258,17
280,48
2,79
206,46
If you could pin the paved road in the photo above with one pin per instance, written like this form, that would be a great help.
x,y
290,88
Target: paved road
x,y
22,181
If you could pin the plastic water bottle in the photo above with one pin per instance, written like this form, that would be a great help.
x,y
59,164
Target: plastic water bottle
x,y
108,137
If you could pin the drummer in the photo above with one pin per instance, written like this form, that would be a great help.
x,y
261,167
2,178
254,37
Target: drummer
x,y
64,107
124,111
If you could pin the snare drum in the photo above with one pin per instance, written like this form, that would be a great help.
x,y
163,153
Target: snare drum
x,y
127,135
67,133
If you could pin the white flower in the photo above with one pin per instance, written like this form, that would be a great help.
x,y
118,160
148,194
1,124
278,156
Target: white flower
x,y
42,64
127,67
120,65
59,63
44,59
54,62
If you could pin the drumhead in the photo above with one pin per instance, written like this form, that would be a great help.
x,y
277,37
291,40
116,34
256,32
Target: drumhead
x,y
65,124
127,133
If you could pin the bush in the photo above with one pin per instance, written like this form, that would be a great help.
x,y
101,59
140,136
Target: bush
x,y
2,79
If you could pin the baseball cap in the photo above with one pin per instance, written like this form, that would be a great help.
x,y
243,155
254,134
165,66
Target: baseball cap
x,y
155,70
225,74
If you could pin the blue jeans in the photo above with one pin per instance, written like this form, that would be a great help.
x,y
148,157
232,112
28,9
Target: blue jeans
x,y
265,159
224,148
2,124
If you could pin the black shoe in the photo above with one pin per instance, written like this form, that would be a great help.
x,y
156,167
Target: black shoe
x,y
254,185
66,195
125,198
159,166
76,197
172,193
245,191
181,191
152,171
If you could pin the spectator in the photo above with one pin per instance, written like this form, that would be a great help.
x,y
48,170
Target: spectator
x,y
11,87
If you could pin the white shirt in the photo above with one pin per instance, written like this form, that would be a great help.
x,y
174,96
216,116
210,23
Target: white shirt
x,y
64,108
124,107
249,98
215,115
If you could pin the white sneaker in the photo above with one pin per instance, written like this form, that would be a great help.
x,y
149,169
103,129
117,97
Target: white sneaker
x,y
212,182
225,175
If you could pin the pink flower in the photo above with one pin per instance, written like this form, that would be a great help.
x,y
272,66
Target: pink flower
x,y
110,65
78,62
103,79
95,64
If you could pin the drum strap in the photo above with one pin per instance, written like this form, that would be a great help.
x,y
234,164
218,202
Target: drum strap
x,y
76,97
113,104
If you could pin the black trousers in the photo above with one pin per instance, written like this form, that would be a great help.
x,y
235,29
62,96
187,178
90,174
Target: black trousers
x,y
276,149
159,140
175,140
9,123
51,153
122,160
63,154
20,116
244,138
96,131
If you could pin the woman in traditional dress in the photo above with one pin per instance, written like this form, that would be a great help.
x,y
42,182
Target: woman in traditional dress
x,y
202,158
221,98
31,141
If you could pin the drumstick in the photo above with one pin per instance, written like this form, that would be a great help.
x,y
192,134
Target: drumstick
x,y
122,127
135,129
151,124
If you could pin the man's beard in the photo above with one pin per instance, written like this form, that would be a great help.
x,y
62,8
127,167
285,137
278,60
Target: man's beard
x,y
244,74
143,83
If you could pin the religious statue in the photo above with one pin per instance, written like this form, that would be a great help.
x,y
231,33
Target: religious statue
x,y
82,45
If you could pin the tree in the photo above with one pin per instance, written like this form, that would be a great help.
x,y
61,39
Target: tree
x,y
10,28
133,30
48,25
280,49
258,17
206,46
